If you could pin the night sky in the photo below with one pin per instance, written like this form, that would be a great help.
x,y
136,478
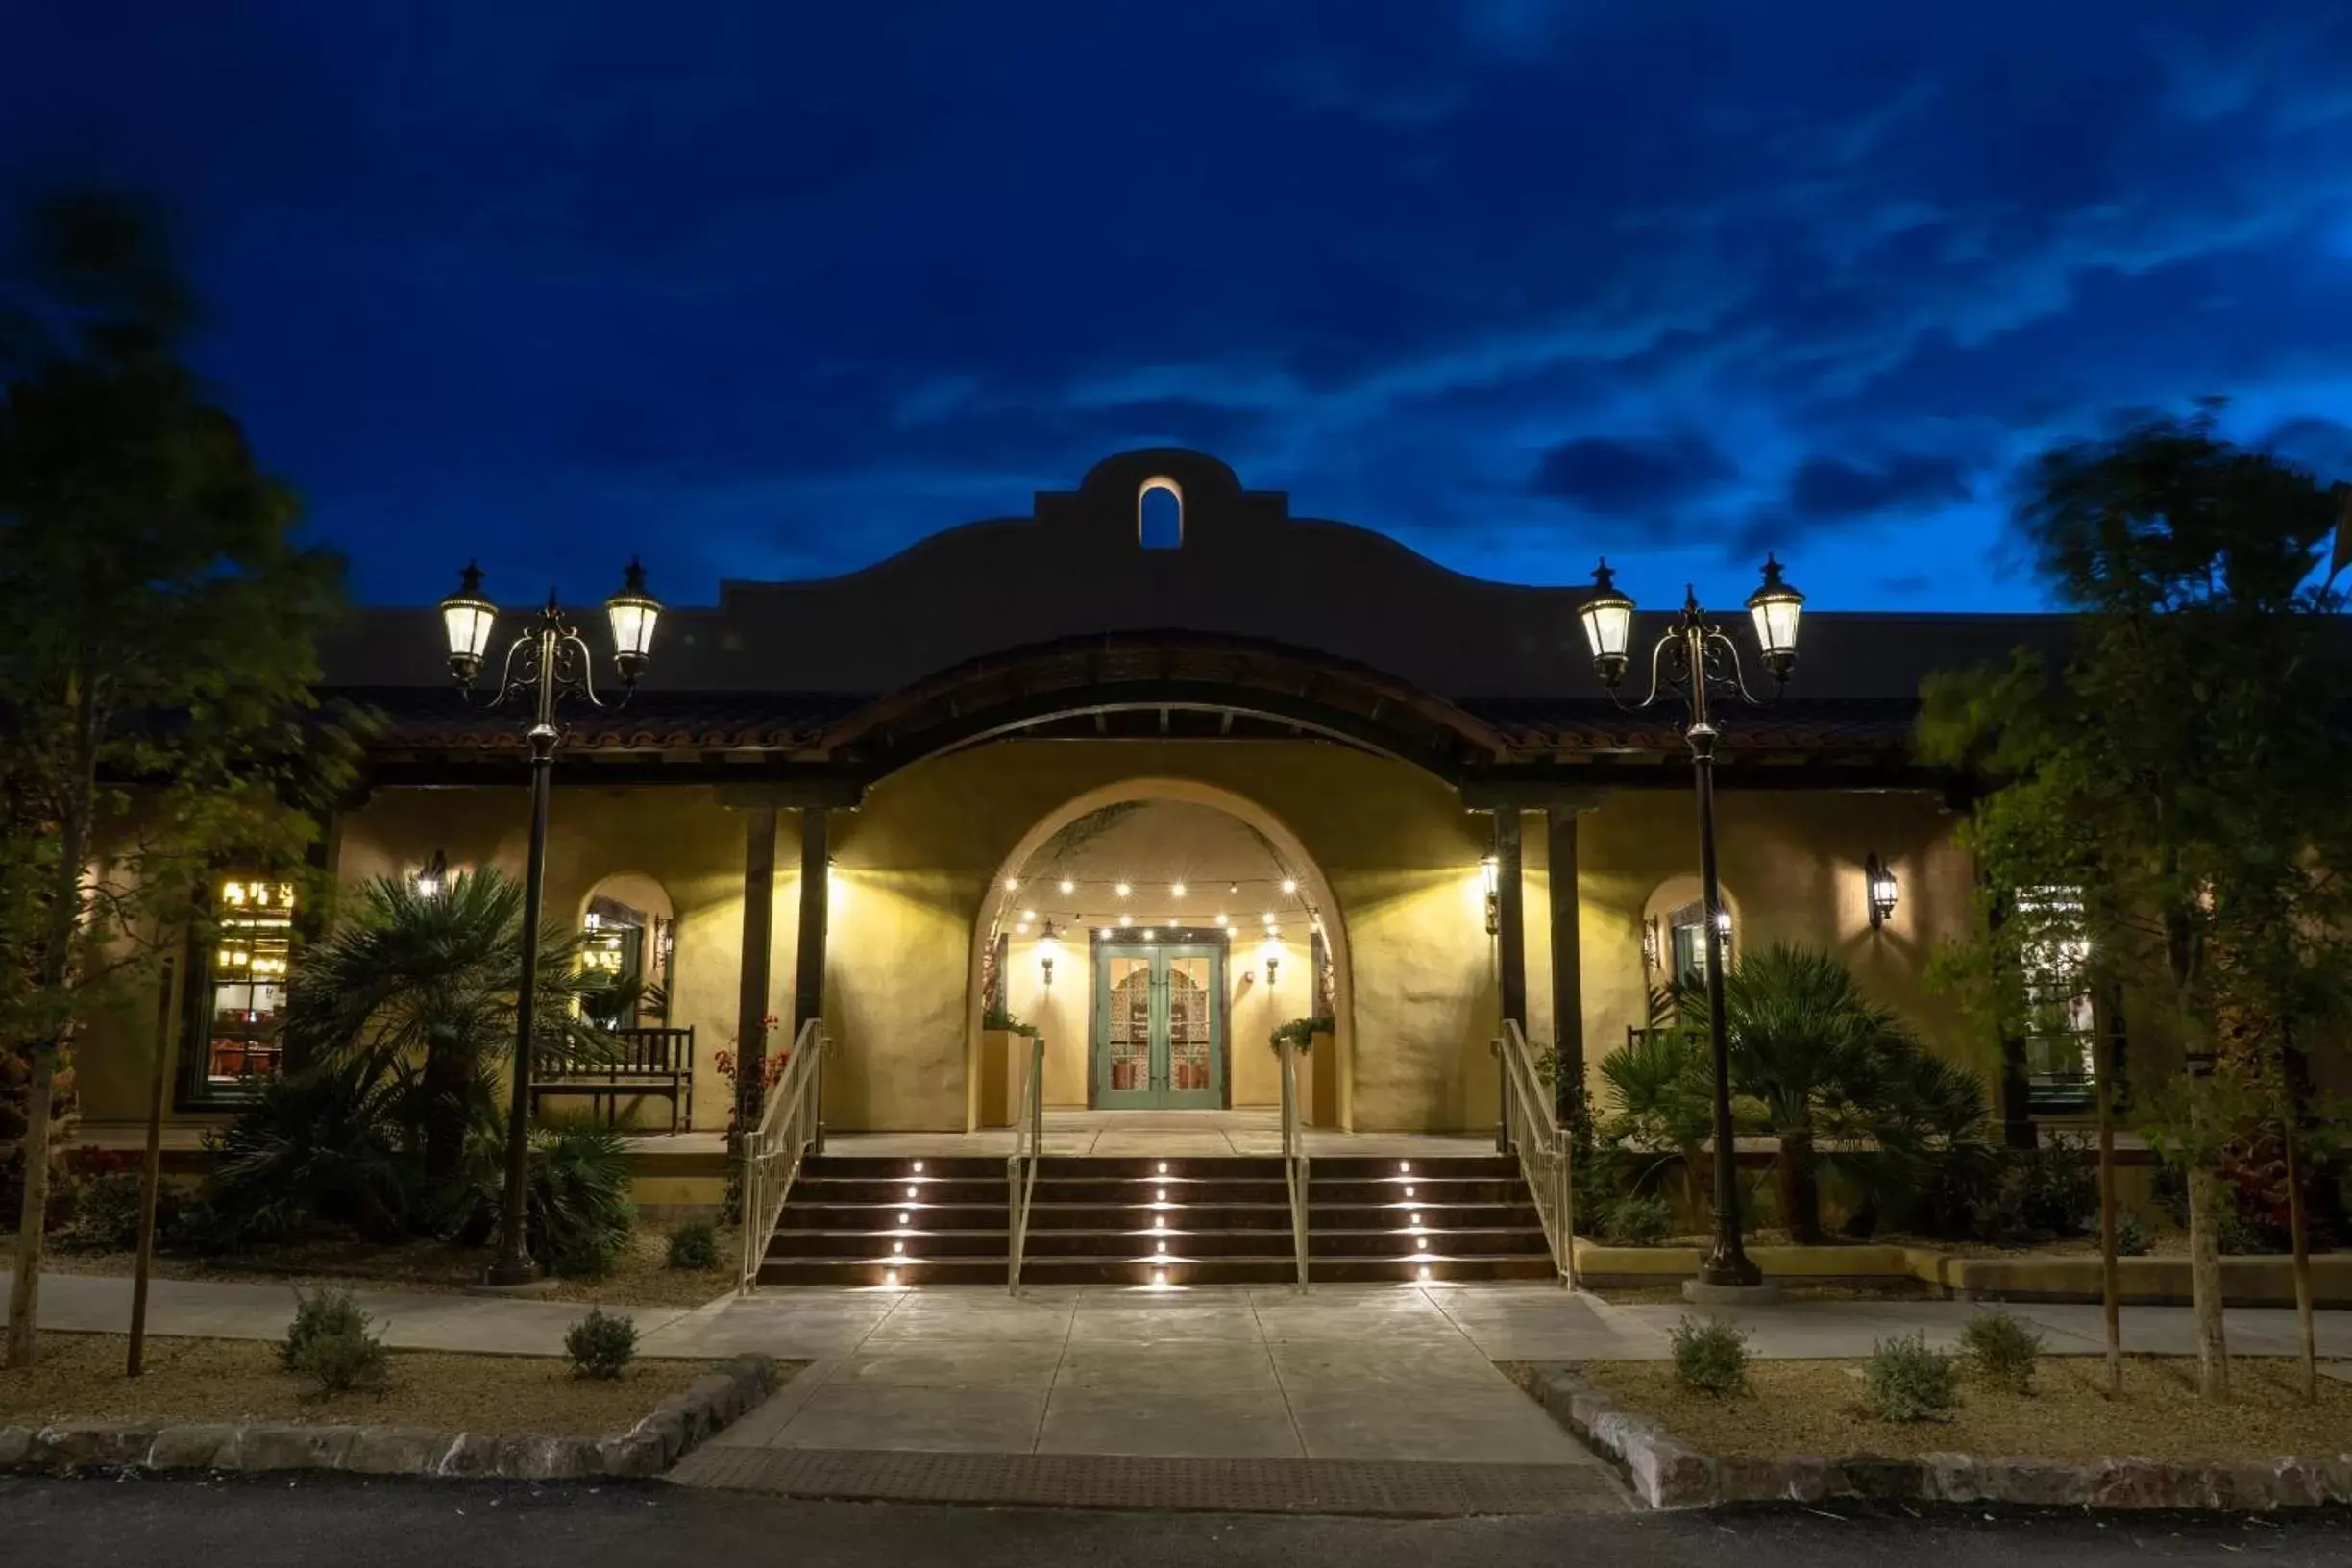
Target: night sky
x,y
773,289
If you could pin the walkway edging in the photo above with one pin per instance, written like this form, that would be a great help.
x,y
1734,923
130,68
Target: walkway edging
x,y
676,1426
1667,1473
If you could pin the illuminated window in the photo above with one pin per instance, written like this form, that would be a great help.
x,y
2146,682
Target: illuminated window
x,y
2055,955
1685,928
1159,516
630,950
245,986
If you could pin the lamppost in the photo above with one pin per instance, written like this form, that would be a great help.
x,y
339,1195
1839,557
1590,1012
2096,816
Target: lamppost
x,y
1697,661
549,662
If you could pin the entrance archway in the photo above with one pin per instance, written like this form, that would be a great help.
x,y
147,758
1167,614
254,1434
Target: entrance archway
x,y
1307,923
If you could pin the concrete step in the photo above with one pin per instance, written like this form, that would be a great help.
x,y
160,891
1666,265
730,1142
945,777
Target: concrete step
x,y
1172,1269
1146,1244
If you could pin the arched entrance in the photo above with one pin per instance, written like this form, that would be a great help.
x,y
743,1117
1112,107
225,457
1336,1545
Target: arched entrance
x,y
1189,921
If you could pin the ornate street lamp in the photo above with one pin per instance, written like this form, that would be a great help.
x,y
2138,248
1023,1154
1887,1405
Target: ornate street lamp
x,y
1699,663
550,662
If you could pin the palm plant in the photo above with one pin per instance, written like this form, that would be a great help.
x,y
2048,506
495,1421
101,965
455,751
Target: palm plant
x,y
1658,1080
1821,1059
429,978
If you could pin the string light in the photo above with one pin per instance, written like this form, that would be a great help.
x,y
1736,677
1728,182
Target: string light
x,y
1011,884
1068,886
1176,890
1122,890
1289,884
1220,919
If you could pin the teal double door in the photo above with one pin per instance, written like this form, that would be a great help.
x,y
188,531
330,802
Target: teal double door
x,y
1159,1025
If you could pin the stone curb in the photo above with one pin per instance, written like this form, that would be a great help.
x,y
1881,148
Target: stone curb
x,y
1667,1473
675,1424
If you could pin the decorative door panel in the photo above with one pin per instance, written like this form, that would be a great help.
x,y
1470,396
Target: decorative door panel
x,y
1159,1025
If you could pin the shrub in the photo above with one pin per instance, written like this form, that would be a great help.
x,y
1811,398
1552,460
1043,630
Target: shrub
x,y
695,1245
316,1147
2055,1187
107,1211
1636,1221
602,1346
1710,1358
1904,1380
329,1314
2132,1238
331,1343
2002,1350
578,1217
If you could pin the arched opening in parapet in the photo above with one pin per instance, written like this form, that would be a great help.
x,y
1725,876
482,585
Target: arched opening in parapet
x,y
1160,514
1188,923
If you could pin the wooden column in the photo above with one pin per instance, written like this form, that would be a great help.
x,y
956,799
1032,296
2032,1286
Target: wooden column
x,y
758,942
1567,958
1511,915
816,902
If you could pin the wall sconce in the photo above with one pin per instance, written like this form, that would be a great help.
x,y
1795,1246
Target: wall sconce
x,y
433,875
1649,943
1273,956
1491,870
1049,949
1880,882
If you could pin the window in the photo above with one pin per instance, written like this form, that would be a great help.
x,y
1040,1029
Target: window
x,y
241,992
1685,949
1159,516
629,950
2055,954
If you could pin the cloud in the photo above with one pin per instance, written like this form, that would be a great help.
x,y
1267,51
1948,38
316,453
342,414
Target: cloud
x,y
1631,479
1832,490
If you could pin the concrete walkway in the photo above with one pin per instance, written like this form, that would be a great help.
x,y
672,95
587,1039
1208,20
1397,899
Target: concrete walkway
x,y
1399,1373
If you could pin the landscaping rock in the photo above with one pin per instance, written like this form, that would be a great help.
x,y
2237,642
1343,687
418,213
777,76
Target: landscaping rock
x,y
1666,1475
397,1450
88,1445
284,1446
1951,1477
196,1446
2036,1483
2297,1482
636,1452
666,1425
2146,1484
470,1453
531,1457
16,1446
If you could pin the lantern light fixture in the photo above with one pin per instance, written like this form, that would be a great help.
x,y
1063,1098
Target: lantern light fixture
x,y
1880,882
466,620
1049,949
1490,872
1607,615
633,613
1775,608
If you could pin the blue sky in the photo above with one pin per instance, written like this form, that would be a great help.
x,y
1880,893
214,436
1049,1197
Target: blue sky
x,y
774,289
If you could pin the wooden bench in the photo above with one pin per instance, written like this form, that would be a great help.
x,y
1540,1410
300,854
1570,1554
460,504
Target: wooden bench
x,y
656,1063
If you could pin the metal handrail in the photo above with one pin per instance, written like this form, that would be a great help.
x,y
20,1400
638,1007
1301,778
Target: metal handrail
x,y
1021,1166
774,1150
1294,1153
1535,1135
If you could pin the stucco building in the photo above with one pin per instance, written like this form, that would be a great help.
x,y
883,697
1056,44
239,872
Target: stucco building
x,y
1249,768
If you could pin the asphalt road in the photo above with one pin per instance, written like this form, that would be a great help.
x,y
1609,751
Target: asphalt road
x,y
349,1524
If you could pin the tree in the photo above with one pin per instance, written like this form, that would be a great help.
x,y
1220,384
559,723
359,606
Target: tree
x,y
430,977
155,682
2162,815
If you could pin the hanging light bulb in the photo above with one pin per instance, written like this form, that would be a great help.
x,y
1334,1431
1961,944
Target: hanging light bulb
x,y
1289,884
1176,890
1068,886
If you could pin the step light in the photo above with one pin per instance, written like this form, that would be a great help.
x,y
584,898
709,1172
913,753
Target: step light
x,y
919,1167
1408,1190
904,1218
1424,1273
1404,1167
1159,1276
1164,1246
911,1192
1421,1243
899,1246
1164,1167
1159,1193
1417,1218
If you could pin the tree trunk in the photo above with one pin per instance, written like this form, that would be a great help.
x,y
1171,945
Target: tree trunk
x,y
2111,1283
2205,1198
1800,1187
449,1075
65,917
2300,1234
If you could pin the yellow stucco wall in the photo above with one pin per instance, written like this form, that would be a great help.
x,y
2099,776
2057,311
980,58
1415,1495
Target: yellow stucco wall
x,y
681,839
1395,868
917,865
